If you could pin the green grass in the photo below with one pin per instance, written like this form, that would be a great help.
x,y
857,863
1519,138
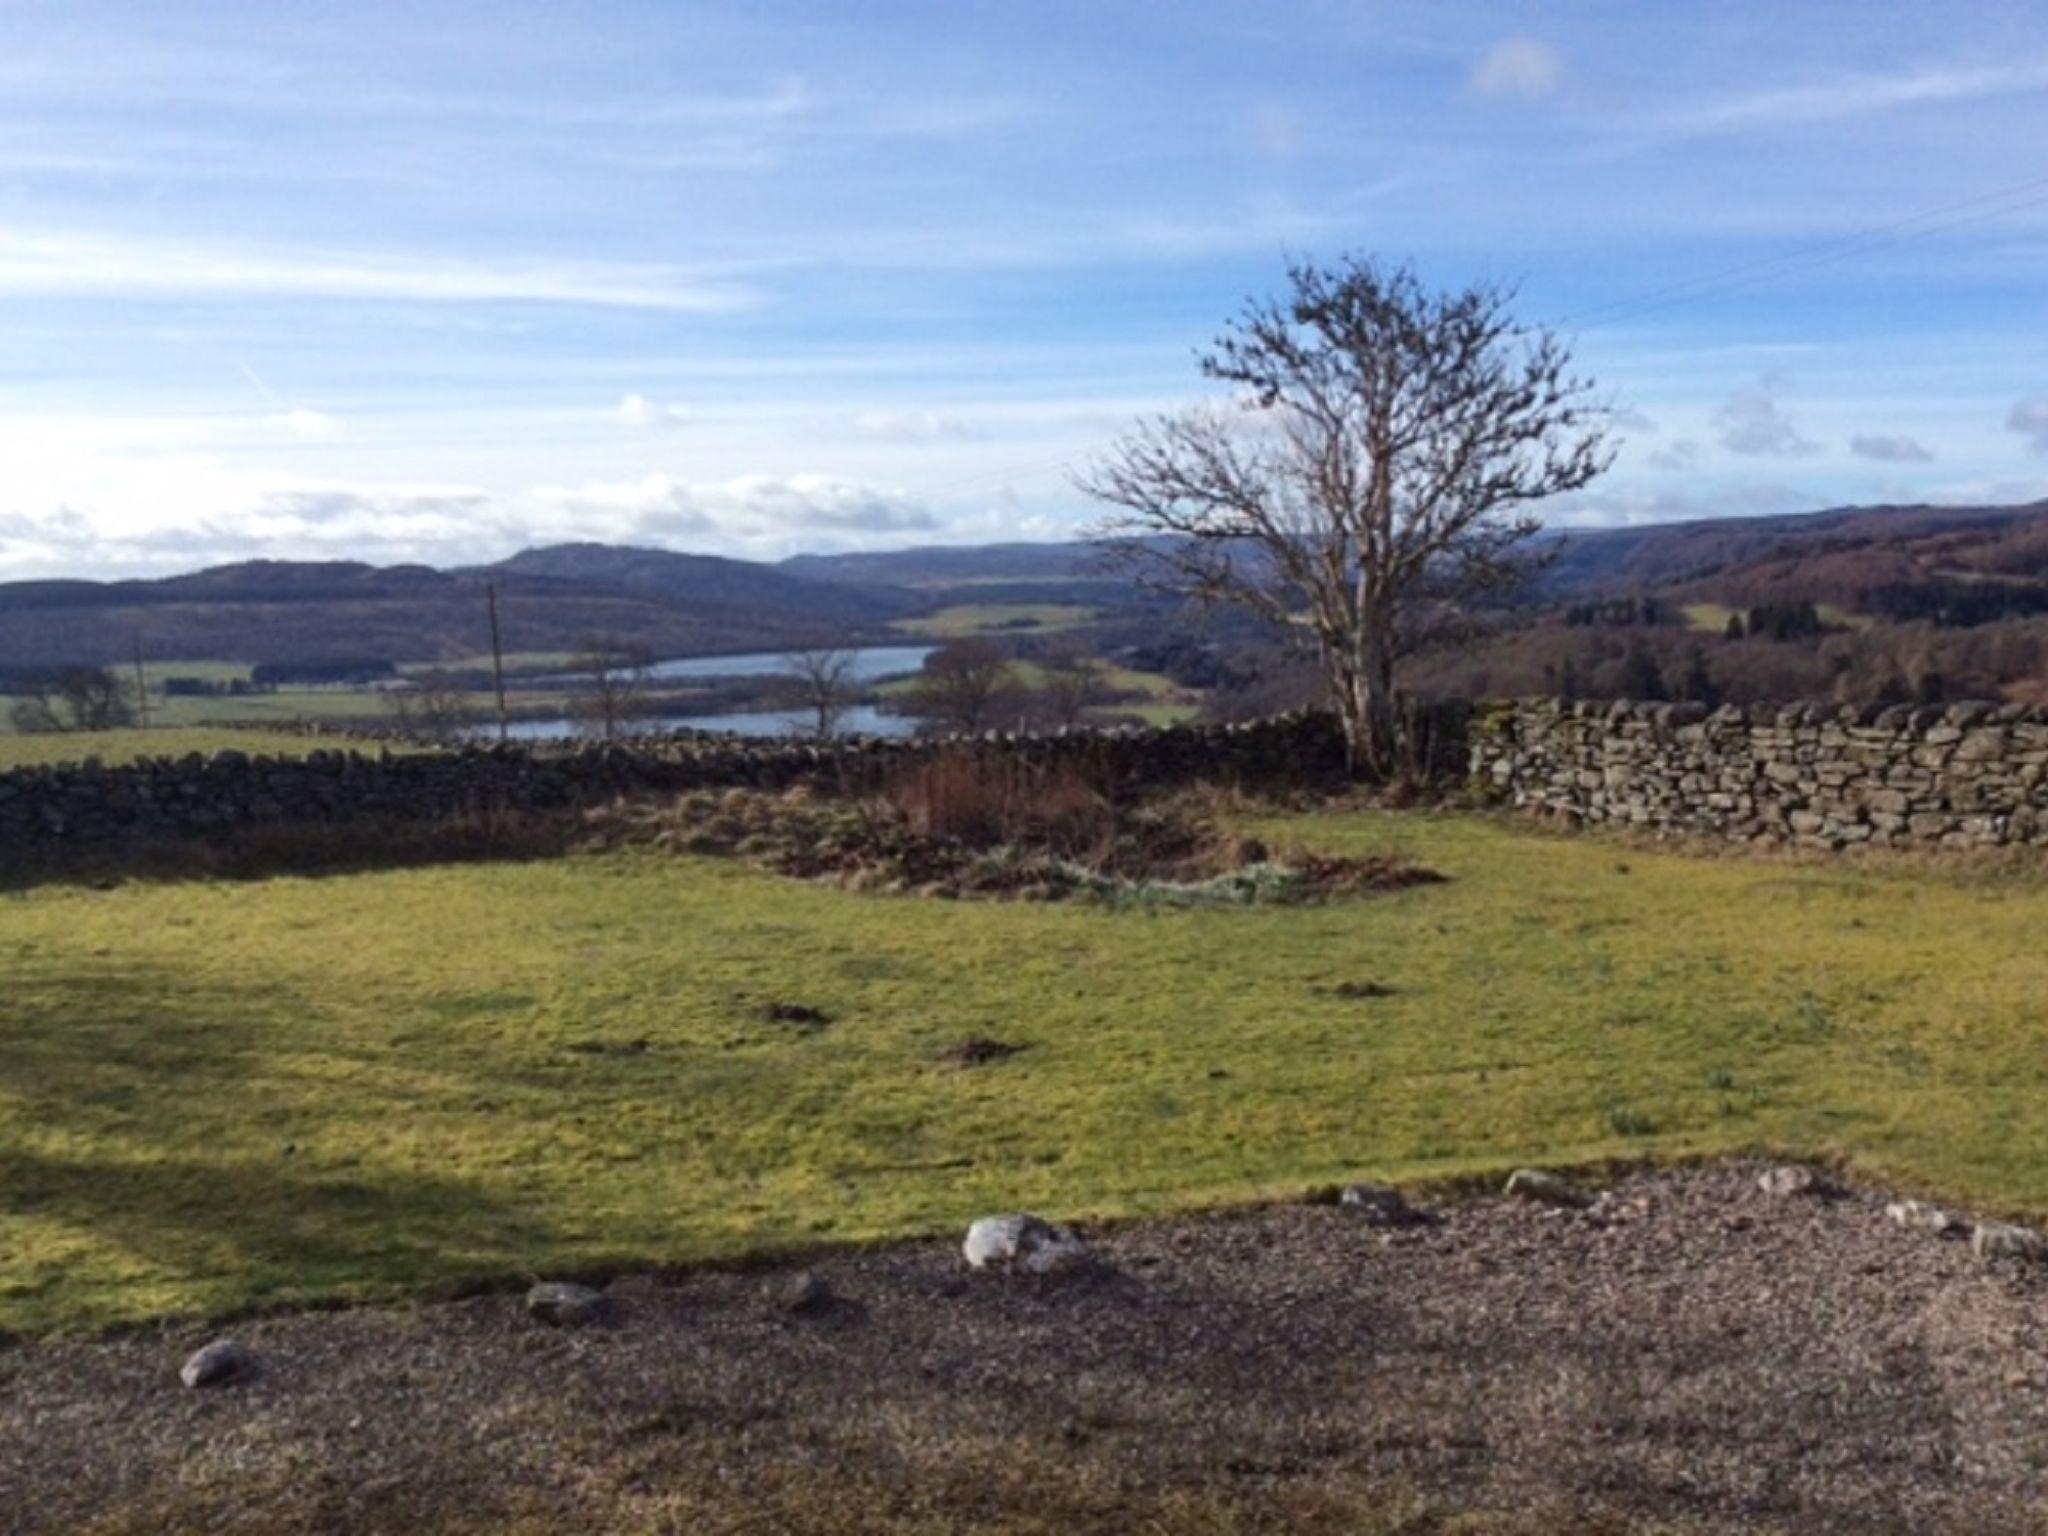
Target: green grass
x,y
1708,616
112,747
221,1096
982,618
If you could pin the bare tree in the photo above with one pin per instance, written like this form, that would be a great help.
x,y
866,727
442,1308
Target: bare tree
x,y
615,675
73,699
1073,683
433,705
960,685
1373,475
823,684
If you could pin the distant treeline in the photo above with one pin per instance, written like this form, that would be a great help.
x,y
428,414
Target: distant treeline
x,y
1955,604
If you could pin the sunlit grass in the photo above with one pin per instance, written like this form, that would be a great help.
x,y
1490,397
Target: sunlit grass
x,y
216,1096
981,618
114,747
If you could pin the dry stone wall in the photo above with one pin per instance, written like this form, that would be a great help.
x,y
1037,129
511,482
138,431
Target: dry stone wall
x,y
88,804
1962,775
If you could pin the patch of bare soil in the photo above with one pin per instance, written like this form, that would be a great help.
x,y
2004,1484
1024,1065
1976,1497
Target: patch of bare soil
x,y
1083,848
1693,1355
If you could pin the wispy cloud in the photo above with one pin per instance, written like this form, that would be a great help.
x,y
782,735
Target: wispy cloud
x,y
2029,418
43,264
307,425
1751,423
1860,95
639,411
1888,448
1518,66
910,426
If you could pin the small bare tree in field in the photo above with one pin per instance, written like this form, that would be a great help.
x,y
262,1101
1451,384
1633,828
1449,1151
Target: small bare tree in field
x,y
433,706
823,684
1073,683
614,676
1374,474
73,699
960,686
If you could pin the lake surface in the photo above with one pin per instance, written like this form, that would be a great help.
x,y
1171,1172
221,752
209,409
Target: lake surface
x,y
871,664
861,720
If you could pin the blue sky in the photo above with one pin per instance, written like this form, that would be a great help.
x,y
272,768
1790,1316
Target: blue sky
x,y
432,282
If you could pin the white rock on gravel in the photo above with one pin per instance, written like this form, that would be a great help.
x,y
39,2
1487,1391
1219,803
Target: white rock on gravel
x,y
2002,1240
220,1362
564,1303
803,1292
1380,1205
1023,1241
1547,1189
1789,1179
1919,1216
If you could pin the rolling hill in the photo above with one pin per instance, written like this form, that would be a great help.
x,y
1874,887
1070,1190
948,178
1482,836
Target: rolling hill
x,y
1950,565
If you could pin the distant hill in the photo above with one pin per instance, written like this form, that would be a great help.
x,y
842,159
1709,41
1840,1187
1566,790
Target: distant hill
x,y
1961,565
1832,557
280,611
700,582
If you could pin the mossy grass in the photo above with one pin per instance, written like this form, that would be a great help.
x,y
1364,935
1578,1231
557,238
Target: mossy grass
x,y
224,1097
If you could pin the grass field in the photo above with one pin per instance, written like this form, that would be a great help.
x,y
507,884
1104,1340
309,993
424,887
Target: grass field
x,y
981,618
112,747
221,1096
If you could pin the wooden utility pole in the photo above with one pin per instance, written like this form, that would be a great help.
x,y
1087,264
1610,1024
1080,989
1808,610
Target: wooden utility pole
x,y
141,684
498,661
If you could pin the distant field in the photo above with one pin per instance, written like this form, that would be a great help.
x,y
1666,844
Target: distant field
x,y
1715,616
983,618
516,662
218,1096
1163,701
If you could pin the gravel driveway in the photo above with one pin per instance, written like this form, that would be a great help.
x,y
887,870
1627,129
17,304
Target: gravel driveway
x,y
1699,1356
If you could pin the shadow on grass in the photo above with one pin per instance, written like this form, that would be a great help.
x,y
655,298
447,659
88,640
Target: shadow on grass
x,y
147,1162
303,848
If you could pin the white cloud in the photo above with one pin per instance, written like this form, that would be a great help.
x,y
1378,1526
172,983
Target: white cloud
x,y
1751,423
639,411
910,426
1682,454
1518,66
1858,95
752,510
2029,418
308,425
1632,506
44,264
1889,449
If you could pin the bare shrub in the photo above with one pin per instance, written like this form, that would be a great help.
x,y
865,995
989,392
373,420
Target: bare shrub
x,y
989,802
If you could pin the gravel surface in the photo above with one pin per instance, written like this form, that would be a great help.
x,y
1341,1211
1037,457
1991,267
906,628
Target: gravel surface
x,y
1692,1355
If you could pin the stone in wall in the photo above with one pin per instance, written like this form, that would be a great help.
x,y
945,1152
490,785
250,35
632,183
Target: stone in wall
x,y
1961,775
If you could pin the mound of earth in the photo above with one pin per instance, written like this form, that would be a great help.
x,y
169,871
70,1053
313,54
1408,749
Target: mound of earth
x,y
1158,853
1691,1354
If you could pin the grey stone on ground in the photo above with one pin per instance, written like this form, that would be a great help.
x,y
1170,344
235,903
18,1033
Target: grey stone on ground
x,y
1381,1205
2003,1240
1022,1241
1788,1179
803,1292
565,1304
1547,1188
1920,1216
216,1364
